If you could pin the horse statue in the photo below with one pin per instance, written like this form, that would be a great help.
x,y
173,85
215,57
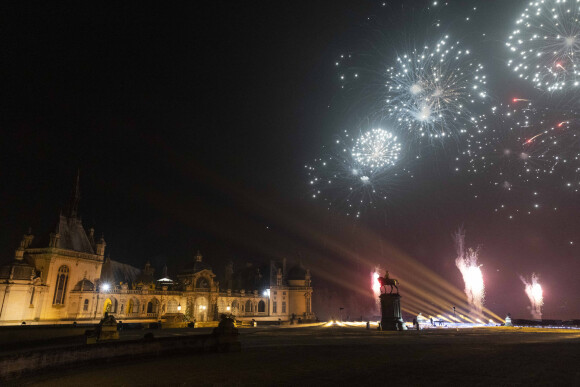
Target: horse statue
x,y
386,281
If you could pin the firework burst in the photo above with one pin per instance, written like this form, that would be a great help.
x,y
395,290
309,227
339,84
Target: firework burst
x,y
376,149
356,173
535,294
376,286
546,44
431,91
468,265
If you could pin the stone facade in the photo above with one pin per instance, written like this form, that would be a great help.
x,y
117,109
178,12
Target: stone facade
x,y
68,278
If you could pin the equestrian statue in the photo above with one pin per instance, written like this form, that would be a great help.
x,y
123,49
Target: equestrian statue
x,y
386,281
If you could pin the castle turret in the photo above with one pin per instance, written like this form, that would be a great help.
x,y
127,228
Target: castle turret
x,y
27,239
72,210
91,237
54,237
100,246
19,254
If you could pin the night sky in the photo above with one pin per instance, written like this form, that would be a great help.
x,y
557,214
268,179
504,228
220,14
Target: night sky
x,y
191,127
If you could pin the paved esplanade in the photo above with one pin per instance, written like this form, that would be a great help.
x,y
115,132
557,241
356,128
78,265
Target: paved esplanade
x,y
353,355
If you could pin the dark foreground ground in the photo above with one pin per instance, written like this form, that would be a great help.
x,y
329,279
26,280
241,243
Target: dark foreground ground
x,y
355,356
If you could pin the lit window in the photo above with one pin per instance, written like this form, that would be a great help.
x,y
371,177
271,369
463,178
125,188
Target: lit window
x,y
61,282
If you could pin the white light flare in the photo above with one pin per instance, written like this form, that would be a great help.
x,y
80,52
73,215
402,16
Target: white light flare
x,y
376,286
535,294
470,269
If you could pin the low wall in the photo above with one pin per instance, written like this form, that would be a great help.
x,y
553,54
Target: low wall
x,y
15,365
546,323
19,336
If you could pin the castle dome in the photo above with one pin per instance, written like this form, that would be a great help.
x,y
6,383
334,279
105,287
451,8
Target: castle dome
x,y
84,285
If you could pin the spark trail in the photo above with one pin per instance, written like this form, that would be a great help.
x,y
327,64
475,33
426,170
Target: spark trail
x,y
535,294
469,267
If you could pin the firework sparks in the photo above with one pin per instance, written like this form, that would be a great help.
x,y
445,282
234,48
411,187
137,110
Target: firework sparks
x,y
376,149
469,267
546,44
356,173
535,294
431,90
376,286
525,152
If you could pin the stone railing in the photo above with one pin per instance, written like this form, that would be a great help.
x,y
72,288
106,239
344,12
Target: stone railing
x,y
143,292
66,253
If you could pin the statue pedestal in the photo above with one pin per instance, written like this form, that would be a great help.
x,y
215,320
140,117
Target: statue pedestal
x,y
107,329
108,332
508,321
391,312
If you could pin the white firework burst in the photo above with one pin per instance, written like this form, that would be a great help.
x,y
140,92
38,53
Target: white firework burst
x,y
376,149
432,91
546,44
356,174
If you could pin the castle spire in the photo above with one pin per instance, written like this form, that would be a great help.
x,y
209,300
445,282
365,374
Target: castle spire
x,y
73,206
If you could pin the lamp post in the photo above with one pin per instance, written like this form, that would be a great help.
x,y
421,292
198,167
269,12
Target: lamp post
x,y
267,294
104,287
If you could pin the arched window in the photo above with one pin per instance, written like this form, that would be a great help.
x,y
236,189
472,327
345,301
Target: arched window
x,y
153,306
234,305
133,306
107,306
261,306
61,282
86,305
248,306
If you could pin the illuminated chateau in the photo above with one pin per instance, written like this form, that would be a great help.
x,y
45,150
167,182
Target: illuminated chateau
x,y
67,278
